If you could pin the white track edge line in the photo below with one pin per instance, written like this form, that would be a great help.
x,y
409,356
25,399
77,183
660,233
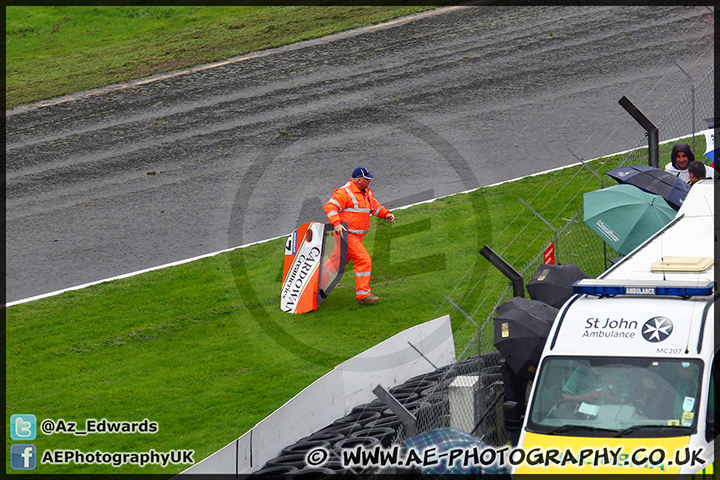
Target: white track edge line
x,y
188,260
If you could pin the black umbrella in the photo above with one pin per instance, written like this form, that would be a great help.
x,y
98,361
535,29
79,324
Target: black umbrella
x,y
552,284
535,308
521,328
653,180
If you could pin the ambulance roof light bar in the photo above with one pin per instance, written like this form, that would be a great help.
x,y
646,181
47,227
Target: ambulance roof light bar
x,y
604,288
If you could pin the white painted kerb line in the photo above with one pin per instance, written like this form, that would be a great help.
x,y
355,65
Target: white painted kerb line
x,y
180,262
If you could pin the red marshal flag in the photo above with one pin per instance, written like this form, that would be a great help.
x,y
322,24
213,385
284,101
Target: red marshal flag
x,y
549,254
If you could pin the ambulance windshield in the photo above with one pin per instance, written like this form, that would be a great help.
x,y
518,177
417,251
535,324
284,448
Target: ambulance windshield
x,y
601,396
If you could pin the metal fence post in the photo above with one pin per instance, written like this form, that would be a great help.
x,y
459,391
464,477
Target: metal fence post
x,y
652,131
506,269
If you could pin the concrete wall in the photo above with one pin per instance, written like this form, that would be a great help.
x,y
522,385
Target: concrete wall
x,y
332,396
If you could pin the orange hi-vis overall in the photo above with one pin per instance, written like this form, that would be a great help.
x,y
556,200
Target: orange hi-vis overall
x,y
349,204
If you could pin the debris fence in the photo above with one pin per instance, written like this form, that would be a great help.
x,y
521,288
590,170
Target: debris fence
x,y
574,242
468,394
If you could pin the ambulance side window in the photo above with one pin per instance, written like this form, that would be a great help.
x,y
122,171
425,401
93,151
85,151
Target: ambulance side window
x,y
712,429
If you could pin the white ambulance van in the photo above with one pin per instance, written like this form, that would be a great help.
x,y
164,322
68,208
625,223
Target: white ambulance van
x,y
625,383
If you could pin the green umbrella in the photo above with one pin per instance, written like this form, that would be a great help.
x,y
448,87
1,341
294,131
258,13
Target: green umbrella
x,y
625,216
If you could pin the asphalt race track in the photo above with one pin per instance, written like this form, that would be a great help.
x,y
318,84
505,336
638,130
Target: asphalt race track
x,y
140,175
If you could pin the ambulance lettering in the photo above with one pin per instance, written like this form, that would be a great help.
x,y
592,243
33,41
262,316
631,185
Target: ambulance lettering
x,y
609,328
640,291
670,351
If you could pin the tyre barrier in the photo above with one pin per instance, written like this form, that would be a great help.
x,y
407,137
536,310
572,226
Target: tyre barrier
x,y
435,414
431,376
475,364
491,370
412,387
344,430
437,397
482,360
392,421
387,413
406,397
438,403
304,447
350,443
311,473
361,417
330,437
441,387
425,395
369,407
410,407
423,409
415,404
490,381
384,434
402,397
280,471
424,377
493,357
467,367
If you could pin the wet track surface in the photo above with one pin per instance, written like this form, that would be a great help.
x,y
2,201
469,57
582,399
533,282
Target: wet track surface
x,y
154,172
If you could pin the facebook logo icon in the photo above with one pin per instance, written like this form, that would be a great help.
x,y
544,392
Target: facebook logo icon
x,y
23,427
22,457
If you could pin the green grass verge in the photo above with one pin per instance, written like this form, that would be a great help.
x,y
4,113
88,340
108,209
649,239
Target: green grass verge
x,y
59,50
204,350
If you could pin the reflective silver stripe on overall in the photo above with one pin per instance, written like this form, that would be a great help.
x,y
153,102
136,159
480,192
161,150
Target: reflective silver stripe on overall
x,y
355,202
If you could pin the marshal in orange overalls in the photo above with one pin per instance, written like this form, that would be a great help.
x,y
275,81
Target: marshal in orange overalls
x,y
354,206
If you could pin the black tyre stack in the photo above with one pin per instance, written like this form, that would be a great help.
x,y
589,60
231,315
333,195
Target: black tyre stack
x,y
374,424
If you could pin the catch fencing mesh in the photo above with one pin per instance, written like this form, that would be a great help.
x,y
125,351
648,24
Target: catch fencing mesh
x,y
692,114
469,394
479,361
